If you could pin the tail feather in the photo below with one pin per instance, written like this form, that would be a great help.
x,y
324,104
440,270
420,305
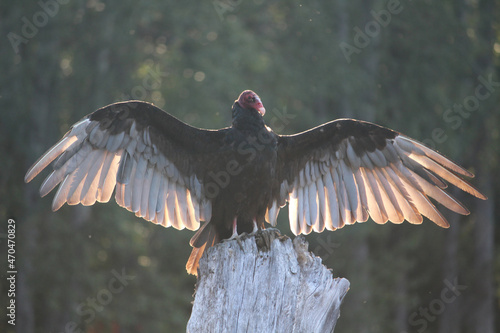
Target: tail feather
x,y
201,236
194,259
206,236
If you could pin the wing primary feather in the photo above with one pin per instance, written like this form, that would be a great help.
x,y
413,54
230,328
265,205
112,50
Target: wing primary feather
x,y
390,202
333,206
120,194
404,173
293,212
375,203
425,207
68,167
362,213
342,199
181,207
413,146
171,204
400,194
50,156
447,175
125,168
162,201
129,187
146,190
102,174
326,213
301,209
313,204
69,153
189,221
411,164
160,209
154,193
436,180
442,197
351,189
320,226
54,178
193,211
307,211
61,194
307,230
79,175
89,191
76,188
411,212
138,182
94,171
110,177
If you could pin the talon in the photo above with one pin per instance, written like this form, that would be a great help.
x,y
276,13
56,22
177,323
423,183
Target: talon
x,y
235,229
275,231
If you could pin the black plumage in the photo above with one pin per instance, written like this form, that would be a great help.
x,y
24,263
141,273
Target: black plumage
x,y
238,177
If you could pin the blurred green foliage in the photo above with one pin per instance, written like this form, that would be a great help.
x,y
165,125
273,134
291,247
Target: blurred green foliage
x,y
193,59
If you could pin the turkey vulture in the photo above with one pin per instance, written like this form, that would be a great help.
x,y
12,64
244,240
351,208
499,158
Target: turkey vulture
x,y
238,177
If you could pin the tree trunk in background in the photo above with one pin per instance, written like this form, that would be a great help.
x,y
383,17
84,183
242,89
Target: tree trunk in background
x,y
344,33
38,138
482,289
97,96
365,66
25,320
451,319
103,82
368,112
402,304
371,65
363,296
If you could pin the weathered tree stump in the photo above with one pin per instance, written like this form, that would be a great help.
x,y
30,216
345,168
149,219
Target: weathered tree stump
x,y
265,283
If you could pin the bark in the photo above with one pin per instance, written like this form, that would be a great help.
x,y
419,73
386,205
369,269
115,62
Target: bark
x,y
265,283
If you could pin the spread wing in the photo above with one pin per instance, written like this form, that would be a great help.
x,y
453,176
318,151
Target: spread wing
x,y
346,170
156,162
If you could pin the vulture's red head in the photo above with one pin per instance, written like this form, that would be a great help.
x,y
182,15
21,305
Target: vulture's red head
x,y
250,100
